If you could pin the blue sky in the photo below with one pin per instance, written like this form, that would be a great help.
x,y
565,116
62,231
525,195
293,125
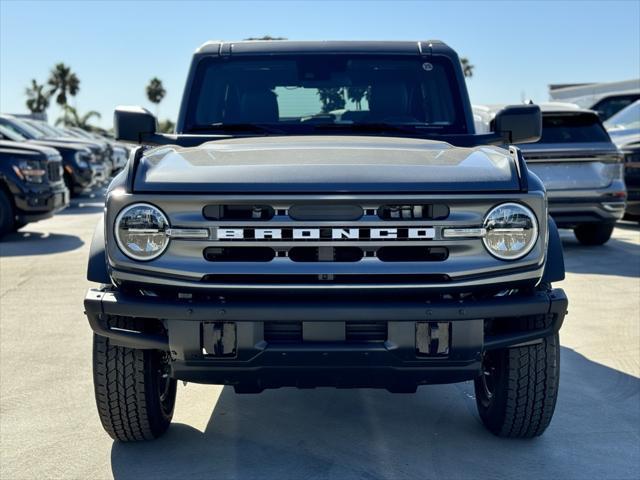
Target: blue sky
x,y
116,47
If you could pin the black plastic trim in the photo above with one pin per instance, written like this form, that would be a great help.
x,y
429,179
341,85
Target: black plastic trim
x,y
97,267
554,265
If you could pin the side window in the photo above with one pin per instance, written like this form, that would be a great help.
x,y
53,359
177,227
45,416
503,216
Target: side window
x,y
607,107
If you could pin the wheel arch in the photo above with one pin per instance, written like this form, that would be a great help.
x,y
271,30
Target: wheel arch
x,y
97,270
554,266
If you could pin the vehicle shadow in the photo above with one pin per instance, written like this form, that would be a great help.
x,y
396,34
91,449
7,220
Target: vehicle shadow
x,y
616,257
367,434
628,225
83,206
37,243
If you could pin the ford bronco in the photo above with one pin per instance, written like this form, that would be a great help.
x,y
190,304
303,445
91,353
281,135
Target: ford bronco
x,y
326,215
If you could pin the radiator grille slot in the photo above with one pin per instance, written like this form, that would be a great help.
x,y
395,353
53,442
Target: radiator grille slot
x,y
325,212
355,332
239,254
54,171
238,212
412,254
326,254
283,332
436,211
366,332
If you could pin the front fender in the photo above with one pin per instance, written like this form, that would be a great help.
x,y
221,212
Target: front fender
x,y
97,268
554,266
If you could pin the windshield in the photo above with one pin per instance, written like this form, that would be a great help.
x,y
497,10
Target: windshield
x,y
339,90
572,128
76,132
626,119
44,128
8,134
21,127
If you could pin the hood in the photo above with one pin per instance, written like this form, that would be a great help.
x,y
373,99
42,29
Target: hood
x,y
302,164
93,146
28,148
59,145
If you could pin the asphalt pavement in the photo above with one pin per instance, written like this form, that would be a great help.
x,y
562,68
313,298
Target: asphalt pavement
x,y
49,427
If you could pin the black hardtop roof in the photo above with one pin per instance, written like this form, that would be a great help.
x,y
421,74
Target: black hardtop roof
x,y
284,47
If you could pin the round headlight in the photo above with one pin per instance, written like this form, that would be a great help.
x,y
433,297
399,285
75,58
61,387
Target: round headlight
x,y
141,231
511,231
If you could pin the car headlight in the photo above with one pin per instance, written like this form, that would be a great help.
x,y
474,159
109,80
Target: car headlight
x,y
141,231
31,171
511,231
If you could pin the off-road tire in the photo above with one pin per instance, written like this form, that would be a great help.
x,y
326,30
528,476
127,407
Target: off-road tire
x,y
134,402
7,215
525,389
594,233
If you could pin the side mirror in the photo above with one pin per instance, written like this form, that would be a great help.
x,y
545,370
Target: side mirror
x,y
131,124
519,123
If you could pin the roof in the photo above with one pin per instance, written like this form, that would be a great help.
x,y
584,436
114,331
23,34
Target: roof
x,y
547,107
245,47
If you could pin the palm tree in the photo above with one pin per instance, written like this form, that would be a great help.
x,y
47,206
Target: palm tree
x,y
156,92
72,118
166,126
38,99
356,94
467,68
331,98
63,83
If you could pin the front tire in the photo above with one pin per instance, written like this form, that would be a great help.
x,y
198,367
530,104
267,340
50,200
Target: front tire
x,y
134,395
594,233
517,390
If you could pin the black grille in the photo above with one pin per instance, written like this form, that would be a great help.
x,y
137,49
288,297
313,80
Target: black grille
x,y
366,331
341,279
54,171
355,332
283,332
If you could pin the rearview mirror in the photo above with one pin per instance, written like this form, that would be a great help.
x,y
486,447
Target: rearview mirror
x,y
519,123
131,124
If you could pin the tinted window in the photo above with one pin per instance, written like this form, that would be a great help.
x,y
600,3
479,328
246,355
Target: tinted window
x,y
627,118
21,128
570,128
298,90
611,105
8,134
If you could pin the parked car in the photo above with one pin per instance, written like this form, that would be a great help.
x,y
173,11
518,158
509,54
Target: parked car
x,y
31,185
81,170
267,245
624,129
581,168
100,148
605,98
119,152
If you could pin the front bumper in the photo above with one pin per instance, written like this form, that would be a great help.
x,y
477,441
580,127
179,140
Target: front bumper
x,y
40,202
322,356
569,212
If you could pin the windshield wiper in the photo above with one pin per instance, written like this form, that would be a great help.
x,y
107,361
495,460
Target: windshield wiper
x,y
237,127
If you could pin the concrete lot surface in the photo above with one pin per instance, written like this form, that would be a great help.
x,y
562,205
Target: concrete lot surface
x,y
49,427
